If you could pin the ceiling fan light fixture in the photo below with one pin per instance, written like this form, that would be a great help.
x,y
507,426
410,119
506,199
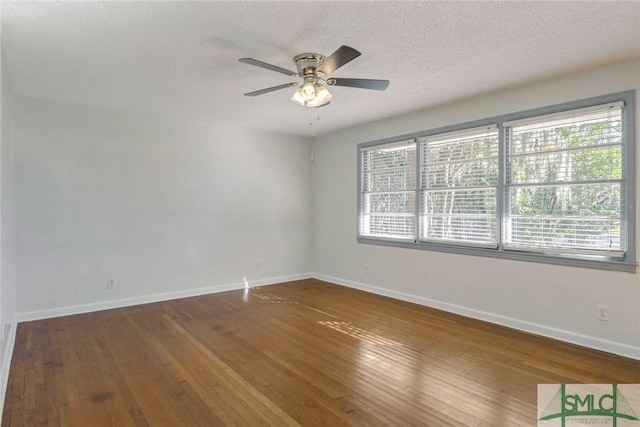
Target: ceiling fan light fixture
x,y
308,91
298,98
321,95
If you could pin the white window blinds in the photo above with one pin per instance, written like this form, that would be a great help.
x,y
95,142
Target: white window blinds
x,y
564,182
459,179
388,190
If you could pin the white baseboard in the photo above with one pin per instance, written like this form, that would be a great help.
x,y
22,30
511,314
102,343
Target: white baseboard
x,y
126,302
522,325
6,363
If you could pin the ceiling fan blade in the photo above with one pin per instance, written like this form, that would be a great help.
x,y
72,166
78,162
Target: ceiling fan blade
x,y
343,55
270,89
271,67
360,83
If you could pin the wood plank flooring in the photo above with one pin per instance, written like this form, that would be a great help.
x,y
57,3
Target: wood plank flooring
x,y
301,353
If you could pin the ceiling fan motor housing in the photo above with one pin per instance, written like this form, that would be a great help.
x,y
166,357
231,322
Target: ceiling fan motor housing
x,y
308,63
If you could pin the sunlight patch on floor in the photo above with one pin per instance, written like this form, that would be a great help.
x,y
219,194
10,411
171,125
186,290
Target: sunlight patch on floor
x,y
369,337
274,299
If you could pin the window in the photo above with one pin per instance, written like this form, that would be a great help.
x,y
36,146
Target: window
x,y
555,185
459,187
564,182
388,190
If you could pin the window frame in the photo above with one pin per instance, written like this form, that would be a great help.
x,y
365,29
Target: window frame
x,y
627,263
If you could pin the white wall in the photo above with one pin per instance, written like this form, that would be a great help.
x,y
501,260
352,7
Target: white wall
x,y
7,219
552,300
7,231
165,207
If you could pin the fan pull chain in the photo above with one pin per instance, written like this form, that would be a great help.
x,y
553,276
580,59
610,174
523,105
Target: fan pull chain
x,y
311,119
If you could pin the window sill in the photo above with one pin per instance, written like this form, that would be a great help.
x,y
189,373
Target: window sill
x,y
594,263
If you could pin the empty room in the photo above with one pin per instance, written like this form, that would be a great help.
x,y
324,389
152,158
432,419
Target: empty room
x,y
311,213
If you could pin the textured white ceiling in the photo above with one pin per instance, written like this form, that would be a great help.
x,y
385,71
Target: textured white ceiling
x,y
181,58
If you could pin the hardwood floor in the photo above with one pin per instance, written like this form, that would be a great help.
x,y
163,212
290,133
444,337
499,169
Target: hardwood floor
x,y
301,353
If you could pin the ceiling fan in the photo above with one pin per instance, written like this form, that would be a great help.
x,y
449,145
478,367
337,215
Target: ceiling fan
x,y
313,70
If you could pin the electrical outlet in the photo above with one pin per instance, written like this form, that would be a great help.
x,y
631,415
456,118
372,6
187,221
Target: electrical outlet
x,y
602,312
259,263
366,268
111,283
